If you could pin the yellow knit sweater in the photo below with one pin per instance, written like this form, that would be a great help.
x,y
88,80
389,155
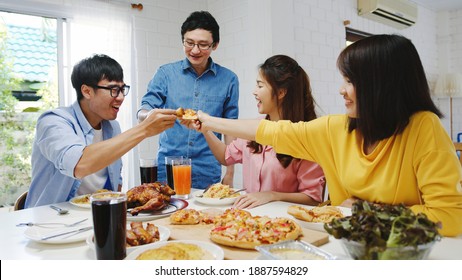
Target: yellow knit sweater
x,y
418,167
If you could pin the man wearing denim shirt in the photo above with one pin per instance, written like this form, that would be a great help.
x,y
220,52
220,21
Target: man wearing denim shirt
x,y
198,83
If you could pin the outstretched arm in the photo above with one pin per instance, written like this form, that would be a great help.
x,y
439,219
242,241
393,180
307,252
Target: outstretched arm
x,y
217,147
245,129
99,155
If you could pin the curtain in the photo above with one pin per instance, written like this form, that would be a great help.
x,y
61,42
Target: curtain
x,y
104,27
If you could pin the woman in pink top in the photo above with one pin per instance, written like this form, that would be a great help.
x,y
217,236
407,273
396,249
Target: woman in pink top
x,y
283,92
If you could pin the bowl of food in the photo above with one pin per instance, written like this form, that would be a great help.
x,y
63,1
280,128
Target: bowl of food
x,y
384,232
360,251
293,250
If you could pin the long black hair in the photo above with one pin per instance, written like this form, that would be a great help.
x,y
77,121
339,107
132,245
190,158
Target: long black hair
x,y
390,85
283,72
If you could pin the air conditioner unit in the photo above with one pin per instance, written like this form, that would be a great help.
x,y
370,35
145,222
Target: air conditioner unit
x,y
397,13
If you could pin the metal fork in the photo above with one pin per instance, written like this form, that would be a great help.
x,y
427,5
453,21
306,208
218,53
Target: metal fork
x,y
31,224
231,193
205,190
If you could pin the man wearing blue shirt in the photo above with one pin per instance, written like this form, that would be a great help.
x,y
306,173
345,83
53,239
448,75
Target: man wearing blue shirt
x,y
198,83
77,149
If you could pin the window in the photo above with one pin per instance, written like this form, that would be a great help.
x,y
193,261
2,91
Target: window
x,y
31,48
29,59
353,35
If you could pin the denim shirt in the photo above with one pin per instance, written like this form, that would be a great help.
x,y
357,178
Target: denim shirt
x,y
215,92
62,135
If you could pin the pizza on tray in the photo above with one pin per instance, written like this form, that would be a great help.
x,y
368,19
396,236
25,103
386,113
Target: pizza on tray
x,y
238,228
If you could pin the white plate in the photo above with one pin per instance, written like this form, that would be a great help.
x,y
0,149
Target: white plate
x,y
164,235
213,201
36,233
320,226
215,251
175,205
81,205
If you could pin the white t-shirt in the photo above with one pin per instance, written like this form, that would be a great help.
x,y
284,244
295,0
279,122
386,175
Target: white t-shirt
x,y
97,180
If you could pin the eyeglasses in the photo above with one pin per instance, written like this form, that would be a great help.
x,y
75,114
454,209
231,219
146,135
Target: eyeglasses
x,y
116,90
201,46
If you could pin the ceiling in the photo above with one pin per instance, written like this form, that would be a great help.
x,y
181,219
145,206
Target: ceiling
x,y
440,5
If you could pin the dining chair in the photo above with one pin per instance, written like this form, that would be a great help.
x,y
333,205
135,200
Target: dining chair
x,y
20,201
458,146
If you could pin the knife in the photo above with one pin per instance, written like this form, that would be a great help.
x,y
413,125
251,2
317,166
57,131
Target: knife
x,y
67,232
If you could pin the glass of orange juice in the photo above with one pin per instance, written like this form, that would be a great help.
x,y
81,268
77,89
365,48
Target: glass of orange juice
x,y
182,177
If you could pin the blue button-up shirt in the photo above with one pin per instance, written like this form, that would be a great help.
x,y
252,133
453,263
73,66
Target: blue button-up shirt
x,y
215,92
62,135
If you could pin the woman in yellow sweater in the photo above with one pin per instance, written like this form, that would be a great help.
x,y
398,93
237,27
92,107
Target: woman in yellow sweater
x,y
389,147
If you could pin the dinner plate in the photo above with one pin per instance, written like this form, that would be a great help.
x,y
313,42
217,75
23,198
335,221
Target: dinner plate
x,y
75,201
175,205
213,252
213,201
320,226
164,235
36,233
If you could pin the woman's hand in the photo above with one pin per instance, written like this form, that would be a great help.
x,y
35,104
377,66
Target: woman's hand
x,y
252,200
348,202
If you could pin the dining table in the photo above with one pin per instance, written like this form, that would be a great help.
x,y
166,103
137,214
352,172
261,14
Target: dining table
x,y
15,245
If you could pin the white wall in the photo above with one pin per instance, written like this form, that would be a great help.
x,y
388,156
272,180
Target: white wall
x,y
311,31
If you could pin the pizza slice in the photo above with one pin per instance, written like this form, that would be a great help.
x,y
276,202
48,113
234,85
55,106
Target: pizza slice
x,y
186,217
322,214
186,114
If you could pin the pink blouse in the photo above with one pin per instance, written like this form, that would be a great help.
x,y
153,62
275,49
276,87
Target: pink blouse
x,y
264,172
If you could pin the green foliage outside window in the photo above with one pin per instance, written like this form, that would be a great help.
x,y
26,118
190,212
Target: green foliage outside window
x,y
17,130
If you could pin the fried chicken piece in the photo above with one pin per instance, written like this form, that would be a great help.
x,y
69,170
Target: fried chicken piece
x,y
148,197
138,235
143,235
132,239
153,231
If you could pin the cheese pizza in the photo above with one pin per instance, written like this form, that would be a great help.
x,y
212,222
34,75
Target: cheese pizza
x,y
186,217
238,228
322,214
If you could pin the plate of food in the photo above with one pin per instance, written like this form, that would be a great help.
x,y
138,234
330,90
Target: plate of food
x,y
178,250
217,194
83,201
76,233
139,235
315,217
152,201
174,205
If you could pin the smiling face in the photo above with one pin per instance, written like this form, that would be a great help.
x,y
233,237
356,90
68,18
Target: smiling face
x,y
98,104
348,91
266,102
197,57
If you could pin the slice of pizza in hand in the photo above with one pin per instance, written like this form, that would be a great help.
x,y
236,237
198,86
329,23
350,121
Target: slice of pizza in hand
x,y
186,114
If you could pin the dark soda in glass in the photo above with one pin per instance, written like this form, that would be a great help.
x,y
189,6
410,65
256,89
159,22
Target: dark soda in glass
x,y
109,225
148,174
169,170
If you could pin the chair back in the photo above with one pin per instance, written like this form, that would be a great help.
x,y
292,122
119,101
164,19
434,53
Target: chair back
x,y
458,147
20,201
